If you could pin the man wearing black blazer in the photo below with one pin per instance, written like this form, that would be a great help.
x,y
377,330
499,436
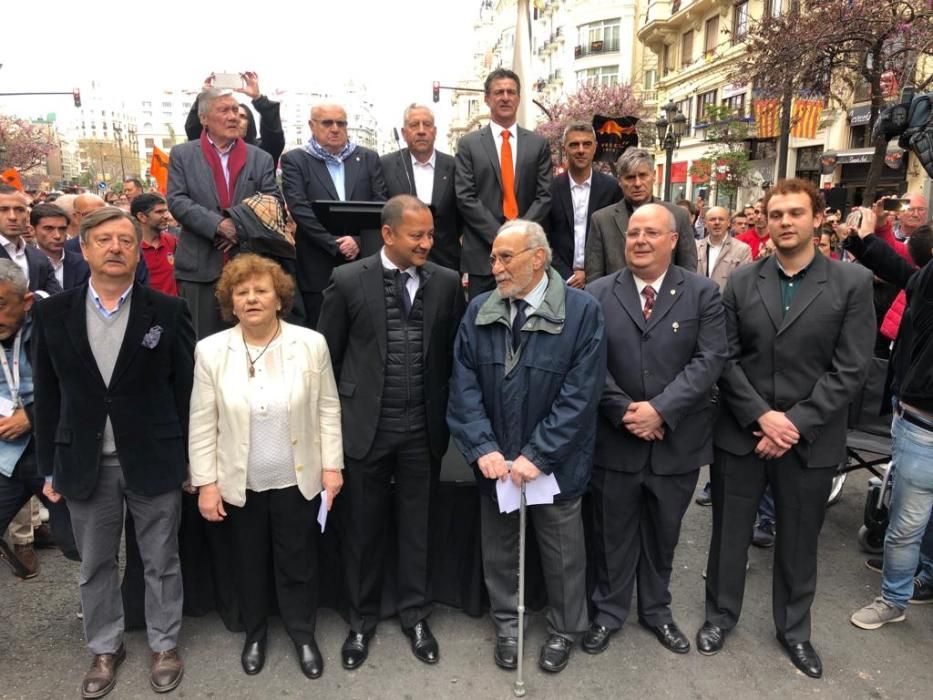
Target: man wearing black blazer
x,y
328,167
484,203
667,346
801,329
14,219
390,321
205,177
575,195
426,173
113,363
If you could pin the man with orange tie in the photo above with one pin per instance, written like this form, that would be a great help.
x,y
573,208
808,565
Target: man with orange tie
x,y
503,173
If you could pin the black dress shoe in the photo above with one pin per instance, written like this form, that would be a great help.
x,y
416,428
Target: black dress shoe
x,y
310,659
804,657
671,637
355,649
423,644
506,653
254,655
710,639
596,639
555,654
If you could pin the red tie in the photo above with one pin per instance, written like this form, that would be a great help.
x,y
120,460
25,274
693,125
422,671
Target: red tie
x,y
648,293
509,203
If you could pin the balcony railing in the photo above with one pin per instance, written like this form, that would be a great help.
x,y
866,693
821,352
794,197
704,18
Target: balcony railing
x,y
595,47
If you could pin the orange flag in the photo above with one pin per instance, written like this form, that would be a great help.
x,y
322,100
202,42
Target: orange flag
x,y
11,177
767,118
806,117
158,169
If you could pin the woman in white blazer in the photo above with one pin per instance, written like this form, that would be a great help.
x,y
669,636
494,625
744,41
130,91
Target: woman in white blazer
x,y
264,442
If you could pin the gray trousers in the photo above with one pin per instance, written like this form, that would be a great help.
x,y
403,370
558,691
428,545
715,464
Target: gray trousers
x,y
204,307
98,526
559,533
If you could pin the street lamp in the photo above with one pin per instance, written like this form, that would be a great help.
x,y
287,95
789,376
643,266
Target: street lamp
x,y
671,126
118,130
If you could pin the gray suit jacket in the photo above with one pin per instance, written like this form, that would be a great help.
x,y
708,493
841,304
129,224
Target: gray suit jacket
x,y
396,168
810,363
478,184
193,201
605,244
733,254
671,360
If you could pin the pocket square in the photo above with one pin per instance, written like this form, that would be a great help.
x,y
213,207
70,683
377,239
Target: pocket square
x,y
151,339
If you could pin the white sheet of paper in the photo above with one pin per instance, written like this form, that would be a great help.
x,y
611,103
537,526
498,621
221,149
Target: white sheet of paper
x,y
6,407
322,513
509,496
542,490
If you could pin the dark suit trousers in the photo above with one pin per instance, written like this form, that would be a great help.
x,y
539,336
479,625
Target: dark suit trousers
x,y
558,529
479,284
277,529
204,307
406,459
312,303
800,497
636,526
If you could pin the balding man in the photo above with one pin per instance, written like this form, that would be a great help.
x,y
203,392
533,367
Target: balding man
x,y
719,253
667,346
67,204
208,237
328,167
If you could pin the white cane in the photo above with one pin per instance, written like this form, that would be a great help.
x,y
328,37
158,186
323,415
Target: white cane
x,y
519,688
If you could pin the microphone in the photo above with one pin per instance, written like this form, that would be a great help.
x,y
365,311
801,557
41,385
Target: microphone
x,y
411,186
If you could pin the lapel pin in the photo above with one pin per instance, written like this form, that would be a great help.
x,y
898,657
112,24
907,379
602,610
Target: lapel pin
x,y
673,292
675,326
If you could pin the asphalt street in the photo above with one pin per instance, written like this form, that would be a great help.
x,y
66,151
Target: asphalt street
x,y
42,652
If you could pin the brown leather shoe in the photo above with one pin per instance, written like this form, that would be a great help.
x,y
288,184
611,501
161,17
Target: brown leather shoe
x,y
27,557
102,676
167,670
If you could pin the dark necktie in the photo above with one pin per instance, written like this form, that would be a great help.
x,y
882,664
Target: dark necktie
x,y
519,321
401,289
649,294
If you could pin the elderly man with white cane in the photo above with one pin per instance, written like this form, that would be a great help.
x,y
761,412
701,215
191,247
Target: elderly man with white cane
x,y
529,369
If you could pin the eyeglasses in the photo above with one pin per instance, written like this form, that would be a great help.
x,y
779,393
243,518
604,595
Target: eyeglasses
x,y
650,234
915,210
331,123
506,258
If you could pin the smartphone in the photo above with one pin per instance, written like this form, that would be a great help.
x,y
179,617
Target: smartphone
x,y
893,204
228,81
854,219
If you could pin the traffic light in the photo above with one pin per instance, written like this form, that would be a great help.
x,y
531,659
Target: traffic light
x,y
437,91
76,93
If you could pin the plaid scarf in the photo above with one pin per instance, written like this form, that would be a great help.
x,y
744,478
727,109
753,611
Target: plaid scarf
x,y
315,150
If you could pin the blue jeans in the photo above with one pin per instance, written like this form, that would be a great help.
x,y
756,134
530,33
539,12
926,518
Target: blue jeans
x,y
911,504
926,556
766,509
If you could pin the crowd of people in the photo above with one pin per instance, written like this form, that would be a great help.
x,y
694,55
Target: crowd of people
x,y
232,341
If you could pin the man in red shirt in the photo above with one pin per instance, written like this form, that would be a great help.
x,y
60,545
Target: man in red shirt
x,y
158,246
757,235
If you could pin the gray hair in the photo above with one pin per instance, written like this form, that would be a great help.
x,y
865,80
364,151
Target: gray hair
x,y
536,236
102,216
578,126
207,97
633,158
11,274
411,108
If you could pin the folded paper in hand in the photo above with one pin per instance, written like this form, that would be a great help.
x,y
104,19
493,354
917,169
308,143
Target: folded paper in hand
x,y
540,491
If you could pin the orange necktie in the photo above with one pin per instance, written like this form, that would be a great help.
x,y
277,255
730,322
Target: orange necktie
x,y
509,203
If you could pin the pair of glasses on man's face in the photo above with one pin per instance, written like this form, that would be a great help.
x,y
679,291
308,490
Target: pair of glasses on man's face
x,y
331,123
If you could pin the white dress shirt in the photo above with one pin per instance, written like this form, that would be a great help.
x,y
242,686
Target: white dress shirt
x,y
424,177
224,155
640,284
580,196
712,255
413,281
17,253
513,142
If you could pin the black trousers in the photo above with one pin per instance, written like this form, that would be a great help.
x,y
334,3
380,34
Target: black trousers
x,y
15,492
479,284
312,307
276,528
636,526
406,459
800,495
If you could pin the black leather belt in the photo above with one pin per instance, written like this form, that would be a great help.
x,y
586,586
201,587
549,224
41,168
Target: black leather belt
x,y
913,418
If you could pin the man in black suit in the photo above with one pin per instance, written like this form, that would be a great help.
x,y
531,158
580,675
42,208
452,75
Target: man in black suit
x,y
575,195
488,159
801,329
390,321
113,363
667,347
14,220
205,177
328,167
427,174
605,244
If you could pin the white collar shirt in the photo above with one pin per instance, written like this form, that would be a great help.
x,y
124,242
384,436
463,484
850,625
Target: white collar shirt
x,y
424,177
513,142
580,197
640,285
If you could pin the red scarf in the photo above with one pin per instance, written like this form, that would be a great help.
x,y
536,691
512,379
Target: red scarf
x,y
235,163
